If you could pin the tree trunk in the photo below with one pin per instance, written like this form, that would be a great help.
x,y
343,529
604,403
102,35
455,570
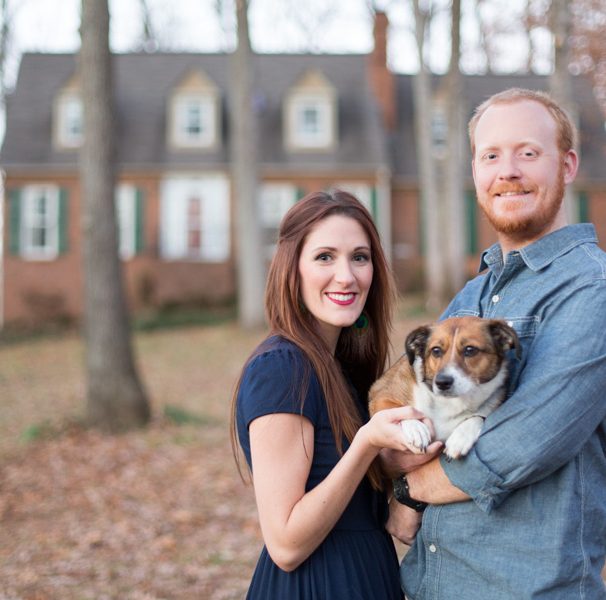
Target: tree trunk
x,y
250,254
560,80
115,397
430,206
454,194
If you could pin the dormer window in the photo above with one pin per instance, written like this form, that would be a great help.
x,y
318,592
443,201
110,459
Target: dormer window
x,y
69,121
310,114
194,122
194,114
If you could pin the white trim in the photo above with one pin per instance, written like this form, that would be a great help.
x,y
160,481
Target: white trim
x,y
361,190
126,219
311,121
2,204
70,120
194,120
176,194
48,220
274,201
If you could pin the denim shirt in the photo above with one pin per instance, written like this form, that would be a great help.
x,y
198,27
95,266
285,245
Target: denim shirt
x,y
536,524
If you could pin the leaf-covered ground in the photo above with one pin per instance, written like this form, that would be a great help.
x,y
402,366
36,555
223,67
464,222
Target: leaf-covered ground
x,y
154,514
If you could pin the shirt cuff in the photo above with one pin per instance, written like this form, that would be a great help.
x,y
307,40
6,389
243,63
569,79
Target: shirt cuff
x,y
473,477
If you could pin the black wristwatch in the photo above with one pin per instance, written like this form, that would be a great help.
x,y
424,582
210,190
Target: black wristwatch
x,y
401,493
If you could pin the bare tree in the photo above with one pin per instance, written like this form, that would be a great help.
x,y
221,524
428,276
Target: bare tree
x,y
431,210
149,41
250,258
453,190
560,80
115,396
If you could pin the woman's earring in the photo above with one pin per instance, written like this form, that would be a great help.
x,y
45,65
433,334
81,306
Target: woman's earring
x,y
361,322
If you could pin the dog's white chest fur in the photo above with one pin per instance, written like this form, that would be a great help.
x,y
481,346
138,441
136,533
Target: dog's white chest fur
x,y
457,416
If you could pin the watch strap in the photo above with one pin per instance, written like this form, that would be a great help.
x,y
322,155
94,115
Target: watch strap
x,y
401,493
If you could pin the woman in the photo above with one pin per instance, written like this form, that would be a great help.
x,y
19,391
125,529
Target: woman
x,y
300,409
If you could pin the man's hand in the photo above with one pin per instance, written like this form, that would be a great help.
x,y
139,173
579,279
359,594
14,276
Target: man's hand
x,y
395,462
403,522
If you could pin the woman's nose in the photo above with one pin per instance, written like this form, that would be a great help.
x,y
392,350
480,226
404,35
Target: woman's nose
x,y
344,273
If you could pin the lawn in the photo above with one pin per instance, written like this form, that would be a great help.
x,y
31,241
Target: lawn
x,y
154,514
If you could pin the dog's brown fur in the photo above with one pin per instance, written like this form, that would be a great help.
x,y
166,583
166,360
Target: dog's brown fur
x,y
471,347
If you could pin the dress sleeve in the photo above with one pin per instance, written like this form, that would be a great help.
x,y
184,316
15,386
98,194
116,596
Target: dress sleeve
x,y
278,381
557,406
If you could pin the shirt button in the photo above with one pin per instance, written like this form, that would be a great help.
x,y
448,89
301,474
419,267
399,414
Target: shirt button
x,y
495,298
432,548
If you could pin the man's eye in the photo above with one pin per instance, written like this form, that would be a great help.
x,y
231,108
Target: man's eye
x,y
437,352
469,351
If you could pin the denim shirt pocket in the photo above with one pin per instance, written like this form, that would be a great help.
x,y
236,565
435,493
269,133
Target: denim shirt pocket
x,y
526,328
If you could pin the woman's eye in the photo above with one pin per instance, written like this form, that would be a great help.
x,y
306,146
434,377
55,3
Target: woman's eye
x,y
324,257
436,352
361,258
470,351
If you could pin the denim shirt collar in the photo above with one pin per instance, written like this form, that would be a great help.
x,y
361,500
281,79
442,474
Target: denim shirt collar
x,y
544,251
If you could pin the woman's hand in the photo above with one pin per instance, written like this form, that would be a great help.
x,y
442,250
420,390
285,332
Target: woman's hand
x,y
403,522
384,430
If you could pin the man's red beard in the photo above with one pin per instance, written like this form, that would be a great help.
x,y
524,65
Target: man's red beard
x,y
530,225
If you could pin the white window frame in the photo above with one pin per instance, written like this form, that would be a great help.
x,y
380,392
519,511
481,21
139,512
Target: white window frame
x,y
31,219
362,191
300,137
274,201
206,122
213,194
126,219
70,121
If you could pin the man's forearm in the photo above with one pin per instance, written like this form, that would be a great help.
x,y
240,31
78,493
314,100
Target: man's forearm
x,y
430,484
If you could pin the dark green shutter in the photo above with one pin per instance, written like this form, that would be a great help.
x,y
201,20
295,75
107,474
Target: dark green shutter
x,y
374,209
15,221
471,211
139,221
583,207
63,221
300,193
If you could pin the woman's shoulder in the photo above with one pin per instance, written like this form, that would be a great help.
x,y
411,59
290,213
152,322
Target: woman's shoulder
x,y
274,378
276,351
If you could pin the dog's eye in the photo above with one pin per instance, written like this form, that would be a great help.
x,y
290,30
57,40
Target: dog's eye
x,y
436,352
470,351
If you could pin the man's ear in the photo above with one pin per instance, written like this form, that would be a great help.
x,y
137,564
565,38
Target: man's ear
x,y
416,342
571,166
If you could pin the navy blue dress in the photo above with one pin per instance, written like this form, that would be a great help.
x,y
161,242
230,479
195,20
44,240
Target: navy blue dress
x,y
357,560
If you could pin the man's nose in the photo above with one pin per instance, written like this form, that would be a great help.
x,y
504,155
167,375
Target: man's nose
x,y
509,168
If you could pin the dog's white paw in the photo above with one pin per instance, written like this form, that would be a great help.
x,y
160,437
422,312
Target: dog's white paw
x,y
464,436
416,435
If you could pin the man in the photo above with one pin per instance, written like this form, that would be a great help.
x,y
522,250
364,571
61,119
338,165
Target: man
x,y
524,514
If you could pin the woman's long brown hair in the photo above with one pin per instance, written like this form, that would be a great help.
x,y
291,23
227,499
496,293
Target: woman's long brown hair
x,y
362,354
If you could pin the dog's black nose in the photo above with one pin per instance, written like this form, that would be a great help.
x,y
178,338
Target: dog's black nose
x,y
444,382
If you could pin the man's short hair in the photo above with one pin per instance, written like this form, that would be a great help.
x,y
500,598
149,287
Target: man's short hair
x,y
566,128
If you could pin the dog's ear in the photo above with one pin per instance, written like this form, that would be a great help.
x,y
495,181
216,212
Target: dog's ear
x,y
416,342
505,337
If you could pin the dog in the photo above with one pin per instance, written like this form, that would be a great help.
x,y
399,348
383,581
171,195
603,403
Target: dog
x,y
455,372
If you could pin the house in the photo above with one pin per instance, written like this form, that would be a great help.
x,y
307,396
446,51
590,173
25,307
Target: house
x,y
324,121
